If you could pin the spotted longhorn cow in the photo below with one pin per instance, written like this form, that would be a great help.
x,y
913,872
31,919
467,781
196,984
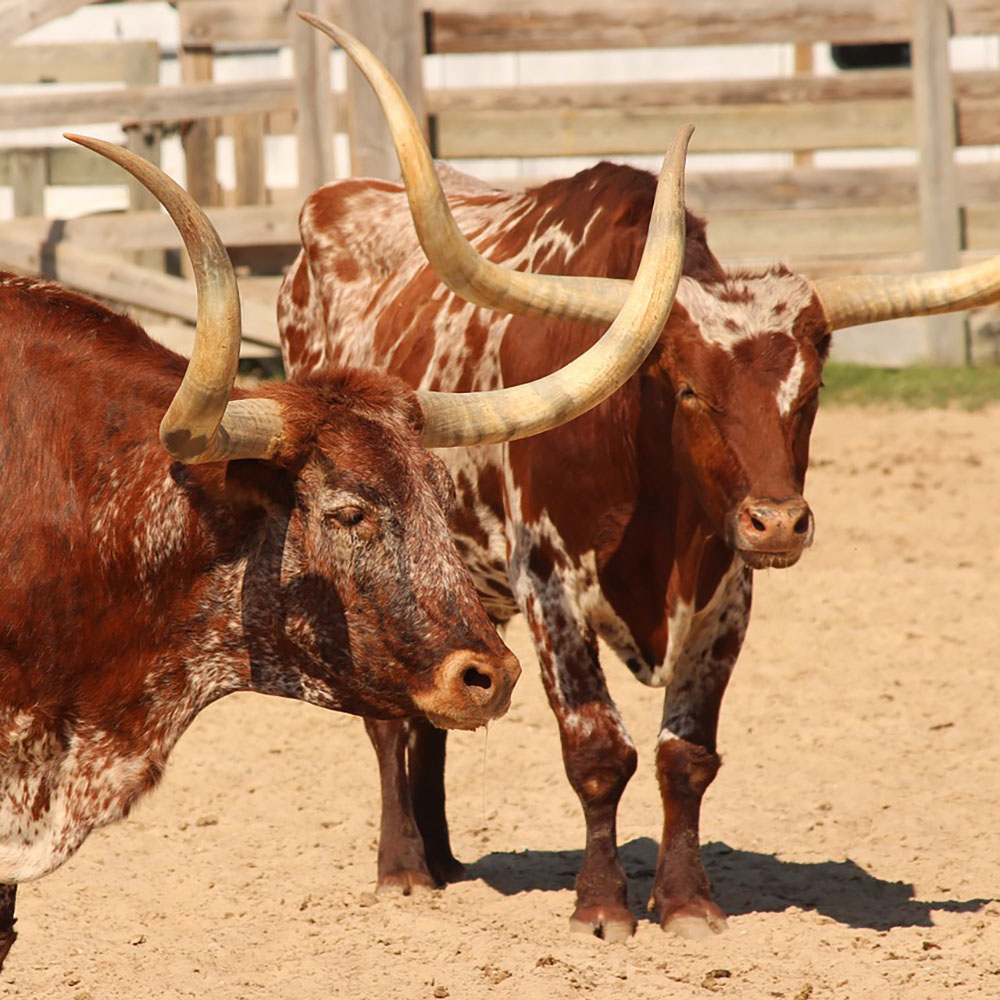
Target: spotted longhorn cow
x,y
641,522
290,540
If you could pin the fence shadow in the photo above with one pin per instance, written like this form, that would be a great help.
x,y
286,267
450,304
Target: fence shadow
x,y
743,882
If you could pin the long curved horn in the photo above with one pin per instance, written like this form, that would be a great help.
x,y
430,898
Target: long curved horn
x,y
201,423
459,266
871,298
637,311
523,410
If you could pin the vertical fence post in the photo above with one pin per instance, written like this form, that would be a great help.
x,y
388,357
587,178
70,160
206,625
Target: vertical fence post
x,y
313,98
393,30
198,137
940,214
144,68
28,170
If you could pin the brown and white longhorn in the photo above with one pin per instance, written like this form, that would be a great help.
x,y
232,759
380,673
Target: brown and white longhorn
x,y
640,522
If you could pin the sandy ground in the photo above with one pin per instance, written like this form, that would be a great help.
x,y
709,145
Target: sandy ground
x,y
852,834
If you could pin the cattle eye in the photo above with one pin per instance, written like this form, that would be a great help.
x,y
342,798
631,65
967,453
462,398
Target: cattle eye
x,y
686,392
347,517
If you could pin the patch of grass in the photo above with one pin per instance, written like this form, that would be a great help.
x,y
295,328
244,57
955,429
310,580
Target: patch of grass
x,y
918,386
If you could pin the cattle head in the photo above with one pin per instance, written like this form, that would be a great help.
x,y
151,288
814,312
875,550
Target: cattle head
x,y
738,366
354,596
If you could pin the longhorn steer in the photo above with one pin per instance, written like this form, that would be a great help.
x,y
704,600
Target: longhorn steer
x,y
642,521
291,541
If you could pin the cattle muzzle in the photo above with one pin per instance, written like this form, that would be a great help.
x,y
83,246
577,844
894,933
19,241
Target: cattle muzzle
x,y
772,533
469,690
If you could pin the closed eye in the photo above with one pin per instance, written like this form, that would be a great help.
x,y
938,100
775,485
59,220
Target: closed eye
x,y
347,516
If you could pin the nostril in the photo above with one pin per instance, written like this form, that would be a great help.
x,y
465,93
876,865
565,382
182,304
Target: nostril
x,y
476,678
758,524
802,524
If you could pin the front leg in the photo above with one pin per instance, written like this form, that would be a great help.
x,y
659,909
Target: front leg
x,y
687,762
599,758
402,863
414,847
8,935
425,768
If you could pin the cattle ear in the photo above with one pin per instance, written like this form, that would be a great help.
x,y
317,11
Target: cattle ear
x,y
253,483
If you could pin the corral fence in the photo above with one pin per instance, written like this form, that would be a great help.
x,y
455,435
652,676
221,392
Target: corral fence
x,y
917,188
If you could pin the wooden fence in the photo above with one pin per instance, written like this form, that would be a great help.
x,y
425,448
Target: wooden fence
x,y
821,220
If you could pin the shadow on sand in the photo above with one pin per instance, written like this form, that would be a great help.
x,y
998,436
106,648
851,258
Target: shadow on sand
x,y
743,882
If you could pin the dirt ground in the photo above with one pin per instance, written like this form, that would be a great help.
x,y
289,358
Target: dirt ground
x,y
852,834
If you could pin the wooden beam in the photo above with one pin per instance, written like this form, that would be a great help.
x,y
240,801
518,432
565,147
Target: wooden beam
x,y
27,179
75,62
166,105
109,277
206,22
248,153
934,110
133,231
759,128
198,137
533,25
20,16
394,32
315,122
976,91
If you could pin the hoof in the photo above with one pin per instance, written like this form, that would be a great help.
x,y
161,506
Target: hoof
x,y
7,939
447,871
695,921
405,882
612,924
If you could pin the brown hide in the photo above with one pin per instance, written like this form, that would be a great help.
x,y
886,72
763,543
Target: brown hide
x,y
137,589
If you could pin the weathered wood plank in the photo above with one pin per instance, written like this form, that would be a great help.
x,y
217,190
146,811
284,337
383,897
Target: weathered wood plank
x,y
872,124
27,179
205,22
846,233
873,232
198,137
75,62
128,231
107,276
70,166
830,187
977,92
940,223
529,25
394,32
20,16
314,126
971,86
167,105
248,152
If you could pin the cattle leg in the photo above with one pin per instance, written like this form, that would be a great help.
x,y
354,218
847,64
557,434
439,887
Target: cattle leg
x,y
426,773
414,846
599,758
682,894
687,762
402,863
7,933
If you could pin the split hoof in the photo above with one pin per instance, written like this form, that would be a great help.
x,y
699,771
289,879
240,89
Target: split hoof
x,y
613,925
695,921
405,882
447,871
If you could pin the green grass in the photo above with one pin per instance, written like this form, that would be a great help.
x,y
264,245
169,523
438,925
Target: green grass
x,y
916,386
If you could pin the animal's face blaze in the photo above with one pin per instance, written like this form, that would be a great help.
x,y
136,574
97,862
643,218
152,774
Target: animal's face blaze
x,y
745,372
